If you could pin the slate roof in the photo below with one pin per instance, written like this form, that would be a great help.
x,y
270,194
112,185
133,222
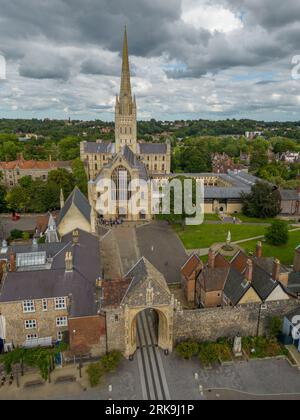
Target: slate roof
x,y
104,147
289,195
224,192
152,148
291,315
294,282
236,286
80,201
137,274
51,249
80,284
262,282
213,279
134,162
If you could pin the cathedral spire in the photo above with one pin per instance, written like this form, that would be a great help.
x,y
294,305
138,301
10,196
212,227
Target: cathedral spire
x,y
125,79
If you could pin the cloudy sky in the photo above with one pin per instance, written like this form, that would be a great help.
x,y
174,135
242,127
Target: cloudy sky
x,y
190,59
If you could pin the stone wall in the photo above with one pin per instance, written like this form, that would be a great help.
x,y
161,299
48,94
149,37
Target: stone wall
x,y
214,323
46,321
115,330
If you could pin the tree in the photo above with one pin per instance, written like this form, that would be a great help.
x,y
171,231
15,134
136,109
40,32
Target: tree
x,y
3,203
63,179
263,201
69,148
18,199
79,174
278,233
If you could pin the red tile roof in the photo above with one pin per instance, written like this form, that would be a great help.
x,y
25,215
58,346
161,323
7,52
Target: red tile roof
x,y
191,265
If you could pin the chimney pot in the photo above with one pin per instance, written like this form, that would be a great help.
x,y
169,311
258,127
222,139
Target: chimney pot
x,y
259,250
211,258
12,262
249,271
276,270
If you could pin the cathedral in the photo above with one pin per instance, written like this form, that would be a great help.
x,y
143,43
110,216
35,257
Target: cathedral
x,y
126,159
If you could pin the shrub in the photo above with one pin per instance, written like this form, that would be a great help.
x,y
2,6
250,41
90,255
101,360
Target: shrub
x,y
95,373
26,236
275,326
263,347
278,233
16,234
208,353
187,349
110,361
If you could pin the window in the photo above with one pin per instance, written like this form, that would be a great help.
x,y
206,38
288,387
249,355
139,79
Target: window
x,y
30,337
45,305
28,306
60,335
163,167
60,303
30,324
62,321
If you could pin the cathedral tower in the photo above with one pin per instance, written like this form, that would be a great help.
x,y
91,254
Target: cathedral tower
x,y
125,117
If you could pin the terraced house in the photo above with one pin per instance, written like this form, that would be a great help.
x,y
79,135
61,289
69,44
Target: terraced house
x,y
49,290
13,171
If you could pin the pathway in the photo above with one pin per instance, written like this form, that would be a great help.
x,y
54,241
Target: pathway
x,y
152,373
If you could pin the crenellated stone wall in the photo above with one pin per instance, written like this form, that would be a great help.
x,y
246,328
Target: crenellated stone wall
x,y
214,323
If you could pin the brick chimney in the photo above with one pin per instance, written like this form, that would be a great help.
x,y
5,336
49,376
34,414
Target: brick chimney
x,y
12,262
69,262
297,260
276,270
259,250
211,258
249,271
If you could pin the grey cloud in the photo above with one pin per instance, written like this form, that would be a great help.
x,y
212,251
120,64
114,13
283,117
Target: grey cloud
x,y
53,45
45,66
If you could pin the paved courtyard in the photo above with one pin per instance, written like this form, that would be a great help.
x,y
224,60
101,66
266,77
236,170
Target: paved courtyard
x,y
265,379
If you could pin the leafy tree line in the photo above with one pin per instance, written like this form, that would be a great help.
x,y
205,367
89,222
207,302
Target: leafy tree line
x,y
38,196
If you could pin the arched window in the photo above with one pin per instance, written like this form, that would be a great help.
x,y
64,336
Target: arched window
x,y
121,179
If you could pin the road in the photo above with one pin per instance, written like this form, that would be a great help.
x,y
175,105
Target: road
x,y
149,356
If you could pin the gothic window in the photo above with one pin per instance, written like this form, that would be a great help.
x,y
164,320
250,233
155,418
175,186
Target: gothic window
x,y
121,179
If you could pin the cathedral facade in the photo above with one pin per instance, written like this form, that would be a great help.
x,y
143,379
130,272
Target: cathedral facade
x,y
126,159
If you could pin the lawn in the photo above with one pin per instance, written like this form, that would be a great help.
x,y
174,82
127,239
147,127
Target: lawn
x,y
212,218
284,253
246,219
205,235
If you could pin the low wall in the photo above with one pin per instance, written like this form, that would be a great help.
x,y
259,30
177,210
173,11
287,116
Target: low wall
x,y
214,323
